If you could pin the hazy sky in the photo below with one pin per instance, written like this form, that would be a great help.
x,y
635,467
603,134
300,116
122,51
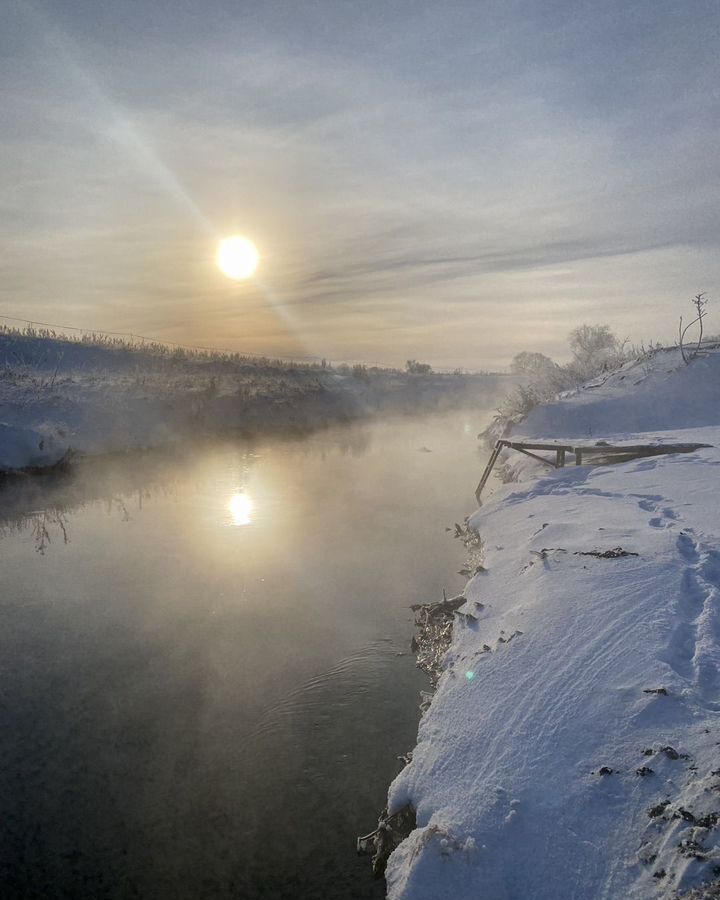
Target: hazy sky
x,y
448,181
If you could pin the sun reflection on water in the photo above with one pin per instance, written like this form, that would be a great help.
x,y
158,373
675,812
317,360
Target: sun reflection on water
x,y
241,508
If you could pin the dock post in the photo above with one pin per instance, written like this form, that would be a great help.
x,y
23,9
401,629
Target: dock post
x,y
488,470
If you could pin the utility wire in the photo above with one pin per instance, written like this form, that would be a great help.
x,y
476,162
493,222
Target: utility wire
x,y
140,337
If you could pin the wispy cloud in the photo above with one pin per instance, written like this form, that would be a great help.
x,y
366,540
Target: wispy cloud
x,y
410,173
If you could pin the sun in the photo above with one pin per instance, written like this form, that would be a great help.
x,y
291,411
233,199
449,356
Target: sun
x,y
237,257
241,509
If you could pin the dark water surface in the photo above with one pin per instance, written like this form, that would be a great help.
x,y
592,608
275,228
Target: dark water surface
x,y
205,680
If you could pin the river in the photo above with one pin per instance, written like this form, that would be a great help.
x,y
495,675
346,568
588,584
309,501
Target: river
x,y
206,679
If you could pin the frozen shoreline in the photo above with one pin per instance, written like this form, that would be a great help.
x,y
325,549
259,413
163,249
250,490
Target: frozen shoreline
x,y
59,398
570,749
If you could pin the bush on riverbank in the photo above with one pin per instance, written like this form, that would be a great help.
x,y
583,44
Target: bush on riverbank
x,y
596,351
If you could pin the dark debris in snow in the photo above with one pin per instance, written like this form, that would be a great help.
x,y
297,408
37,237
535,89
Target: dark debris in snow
x,y
615,553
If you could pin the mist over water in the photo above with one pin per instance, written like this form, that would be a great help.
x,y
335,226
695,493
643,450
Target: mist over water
x,y
206,680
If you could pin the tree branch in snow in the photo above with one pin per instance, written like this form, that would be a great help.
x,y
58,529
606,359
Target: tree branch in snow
x,y
699,301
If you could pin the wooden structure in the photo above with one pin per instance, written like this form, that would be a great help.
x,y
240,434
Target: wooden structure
x,y
600,453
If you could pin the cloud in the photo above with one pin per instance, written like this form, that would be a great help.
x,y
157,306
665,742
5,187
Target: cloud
x,y
390,161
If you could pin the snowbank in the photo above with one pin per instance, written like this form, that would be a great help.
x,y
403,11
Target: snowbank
x,y
31,448
651,395
571,749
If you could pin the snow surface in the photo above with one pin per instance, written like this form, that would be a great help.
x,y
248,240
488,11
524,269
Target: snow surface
x,y
559,675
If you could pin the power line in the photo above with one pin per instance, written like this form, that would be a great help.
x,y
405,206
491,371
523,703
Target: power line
x,y
134,336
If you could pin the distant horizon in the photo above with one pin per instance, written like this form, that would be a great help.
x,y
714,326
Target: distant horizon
x,y
453,184
20,325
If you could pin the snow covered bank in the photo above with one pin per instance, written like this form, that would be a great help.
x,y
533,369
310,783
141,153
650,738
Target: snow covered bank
x,y
571,749
649,395
59,397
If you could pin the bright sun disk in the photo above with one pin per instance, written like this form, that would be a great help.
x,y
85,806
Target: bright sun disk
x,y
241,508
237,257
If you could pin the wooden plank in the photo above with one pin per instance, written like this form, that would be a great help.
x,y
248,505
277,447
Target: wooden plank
x,y
597,453
486,473
531,445
541,459
647,449
607,448
488,469
593,453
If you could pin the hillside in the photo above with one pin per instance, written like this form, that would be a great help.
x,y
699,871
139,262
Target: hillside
x,y
571,748
60,396
647,395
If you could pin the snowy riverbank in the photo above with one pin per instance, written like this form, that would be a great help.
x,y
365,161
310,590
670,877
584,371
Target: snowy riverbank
x,y
61,397
571,749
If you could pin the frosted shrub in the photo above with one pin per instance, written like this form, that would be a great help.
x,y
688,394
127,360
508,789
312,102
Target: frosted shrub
x,y
595,350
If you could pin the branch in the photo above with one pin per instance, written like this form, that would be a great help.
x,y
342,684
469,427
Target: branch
x,y
680,342
686,359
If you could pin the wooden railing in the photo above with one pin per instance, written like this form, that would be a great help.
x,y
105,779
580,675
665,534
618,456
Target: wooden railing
x,y
600,453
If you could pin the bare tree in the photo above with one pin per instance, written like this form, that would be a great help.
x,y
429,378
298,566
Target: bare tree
x,y
699,301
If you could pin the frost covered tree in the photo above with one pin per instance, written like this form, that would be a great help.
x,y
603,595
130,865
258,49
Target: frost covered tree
x,y
413,367
594,348
533,364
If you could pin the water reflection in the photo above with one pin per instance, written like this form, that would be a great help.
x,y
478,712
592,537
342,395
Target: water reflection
x,y
241,508
42,524
42,507
179,689
45,506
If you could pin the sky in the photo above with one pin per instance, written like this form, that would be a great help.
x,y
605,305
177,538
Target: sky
x,y
452,182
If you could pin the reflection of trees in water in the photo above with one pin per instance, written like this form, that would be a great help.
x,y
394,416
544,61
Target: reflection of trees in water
x,y
51,524
119,503
44,526
42,504
41,525
350,440
356,442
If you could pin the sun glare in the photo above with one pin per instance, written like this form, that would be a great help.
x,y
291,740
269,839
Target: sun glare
x,y
241,508
237,257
